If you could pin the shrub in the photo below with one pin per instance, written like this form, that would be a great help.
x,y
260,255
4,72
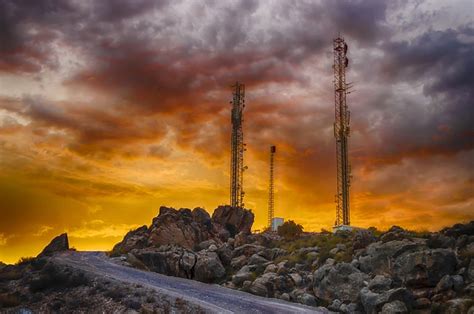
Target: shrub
x,y
290,230
52,277
25,260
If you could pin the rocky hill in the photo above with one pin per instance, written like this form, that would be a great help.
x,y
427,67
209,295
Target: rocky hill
x,y
363,271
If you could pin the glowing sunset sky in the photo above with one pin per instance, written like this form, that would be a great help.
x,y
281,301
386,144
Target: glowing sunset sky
x,y
110,109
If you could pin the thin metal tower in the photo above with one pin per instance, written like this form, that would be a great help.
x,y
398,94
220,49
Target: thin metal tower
x,y
237,147
271,194
341,132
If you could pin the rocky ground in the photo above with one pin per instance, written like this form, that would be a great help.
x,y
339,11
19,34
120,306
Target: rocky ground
x,y
363,271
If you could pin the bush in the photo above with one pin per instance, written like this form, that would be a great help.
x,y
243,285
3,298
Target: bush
x,y
25,260
52,277
290,230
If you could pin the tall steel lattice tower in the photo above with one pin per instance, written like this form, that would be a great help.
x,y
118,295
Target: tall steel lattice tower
x,y
237,147
271,192
341,132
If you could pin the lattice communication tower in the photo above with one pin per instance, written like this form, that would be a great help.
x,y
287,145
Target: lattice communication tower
x,y
237,146
341,132
271,192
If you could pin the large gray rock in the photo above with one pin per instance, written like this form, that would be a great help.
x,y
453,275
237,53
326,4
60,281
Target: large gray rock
x,y
374,302
264,285
425,268
58,244
247,250
244,274
341,281
379,257
234,219
208,267
395,307
169,260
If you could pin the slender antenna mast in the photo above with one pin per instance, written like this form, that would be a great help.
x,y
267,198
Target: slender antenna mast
x,y
341,132
271,194
237,147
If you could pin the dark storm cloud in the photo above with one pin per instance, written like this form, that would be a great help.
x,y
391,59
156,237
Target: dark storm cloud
x,y
181,65
437,121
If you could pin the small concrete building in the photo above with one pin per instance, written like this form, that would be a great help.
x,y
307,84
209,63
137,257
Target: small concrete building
x,y
277,222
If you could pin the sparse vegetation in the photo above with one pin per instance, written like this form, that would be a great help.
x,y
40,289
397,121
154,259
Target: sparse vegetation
x,y
290,230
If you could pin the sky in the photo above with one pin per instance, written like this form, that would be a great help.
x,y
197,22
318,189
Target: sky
x,y
111,109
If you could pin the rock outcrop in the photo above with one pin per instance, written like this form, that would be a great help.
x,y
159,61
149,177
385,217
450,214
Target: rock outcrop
x,y
58,244
235,220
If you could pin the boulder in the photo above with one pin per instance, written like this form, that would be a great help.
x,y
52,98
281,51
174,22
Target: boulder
x,y
169,260
341,281
247,250
379,257
234,219
244,274
374,302
135,239
440,241
394,233
263,285
362,238
58,244
225,254
208,267
425,268
238,262
380,283
459,229
272,268
256,259
307,299
179,227
395,307
459,305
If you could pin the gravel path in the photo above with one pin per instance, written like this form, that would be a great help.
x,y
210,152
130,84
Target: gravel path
x,y
213,298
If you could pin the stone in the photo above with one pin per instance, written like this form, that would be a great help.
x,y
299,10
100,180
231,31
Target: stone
x,y
58,244
440,241
380,283
459,305
225,254
170,260
263,285
247,250
444,284
459,229
362,238
238,262
422,303
373,302
135,239
296,279
395,307
212,248
307,299
234,219
425,268
272,268
335,305
285,296
256,259
379,257
470,270
245,273
458,282
208,267
341,281
246,285
204,245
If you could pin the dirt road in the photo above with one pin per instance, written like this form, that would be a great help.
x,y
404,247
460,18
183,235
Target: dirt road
x,y
212,298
